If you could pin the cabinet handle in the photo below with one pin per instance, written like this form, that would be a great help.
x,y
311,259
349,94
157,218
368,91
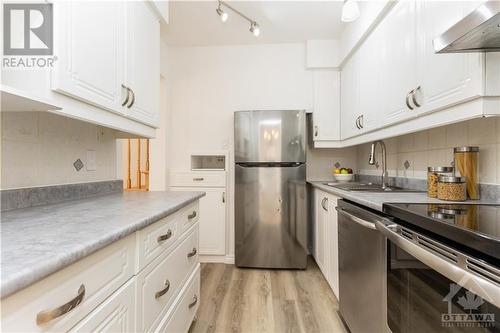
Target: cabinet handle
x,y
414,97
408,100
133,98
357,122
315,130
323,203
128,94
192,215
48,315
223,197
164,237
361,120
192,253
198,179
162,292
193,303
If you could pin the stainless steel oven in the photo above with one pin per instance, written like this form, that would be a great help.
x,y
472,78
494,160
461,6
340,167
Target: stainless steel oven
x,y
433,287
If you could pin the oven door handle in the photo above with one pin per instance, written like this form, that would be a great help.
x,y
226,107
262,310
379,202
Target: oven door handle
x,y
482,287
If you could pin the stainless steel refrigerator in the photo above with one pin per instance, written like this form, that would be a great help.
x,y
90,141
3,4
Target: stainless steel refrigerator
x,y
270,191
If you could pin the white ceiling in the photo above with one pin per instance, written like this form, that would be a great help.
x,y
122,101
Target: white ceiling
x,y
195,23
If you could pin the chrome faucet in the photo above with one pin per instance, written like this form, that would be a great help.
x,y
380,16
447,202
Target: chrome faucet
x,y
371,161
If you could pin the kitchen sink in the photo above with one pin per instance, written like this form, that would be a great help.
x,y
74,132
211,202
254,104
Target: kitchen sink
x,y
369,187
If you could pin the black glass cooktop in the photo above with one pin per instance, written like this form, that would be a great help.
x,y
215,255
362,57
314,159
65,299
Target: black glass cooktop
x,y
475,227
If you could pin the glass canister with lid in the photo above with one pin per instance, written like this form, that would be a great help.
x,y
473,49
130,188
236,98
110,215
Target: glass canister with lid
x,y
433,174
452,188
466,161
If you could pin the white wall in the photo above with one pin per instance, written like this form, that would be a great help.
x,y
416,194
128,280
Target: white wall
x,y
207,84
435,148
39,148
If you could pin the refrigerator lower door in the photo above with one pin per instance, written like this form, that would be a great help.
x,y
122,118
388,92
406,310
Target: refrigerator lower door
x,y
271,216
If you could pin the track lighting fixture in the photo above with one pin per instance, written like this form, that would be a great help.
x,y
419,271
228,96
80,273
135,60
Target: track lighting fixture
x,y
350,11
222,14
255,29
254,26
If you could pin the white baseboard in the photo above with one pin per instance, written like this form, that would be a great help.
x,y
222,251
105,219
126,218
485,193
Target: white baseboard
x,y
217,259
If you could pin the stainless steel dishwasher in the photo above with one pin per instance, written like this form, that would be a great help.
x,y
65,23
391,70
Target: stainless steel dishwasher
x,y
362,269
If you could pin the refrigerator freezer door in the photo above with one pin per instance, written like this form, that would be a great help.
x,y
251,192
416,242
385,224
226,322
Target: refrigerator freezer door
x,y
271,217
270,136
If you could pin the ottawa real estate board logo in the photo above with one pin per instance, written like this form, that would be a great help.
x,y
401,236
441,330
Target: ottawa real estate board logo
x,y
28,36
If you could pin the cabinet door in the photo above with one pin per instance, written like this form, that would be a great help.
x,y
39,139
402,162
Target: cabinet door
x,y
333,245
445,79
397,43
116,314
349,99
326,113
143,62
212,219
320,232
89,45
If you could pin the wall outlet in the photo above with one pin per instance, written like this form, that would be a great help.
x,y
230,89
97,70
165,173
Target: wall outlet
x,y
91,160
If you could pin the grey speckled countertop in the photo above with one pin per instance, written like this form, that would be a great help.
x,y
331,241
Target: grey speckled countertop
x,y
39,241
376,200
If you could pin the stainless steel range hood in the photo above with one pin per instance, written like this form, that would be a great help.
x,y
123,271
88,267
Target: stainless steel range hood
x,y
477,32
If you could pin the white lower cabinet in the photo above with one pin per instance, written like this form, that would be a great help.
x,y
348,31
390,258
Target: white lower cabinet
x,y
325,249
113,291
116,314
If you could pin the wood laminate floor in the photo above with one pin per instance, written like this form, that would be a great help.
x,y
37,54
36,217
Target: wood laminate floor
x,y
259,300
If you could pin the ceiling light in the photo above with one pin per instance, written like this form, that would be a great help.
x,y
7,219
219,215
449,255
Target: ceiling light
x,y
255,29
350,11
222,14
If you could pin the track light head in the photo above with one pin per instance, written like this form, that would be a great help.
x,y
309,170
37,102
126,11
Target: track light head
x,y
222,14
255,29
350,11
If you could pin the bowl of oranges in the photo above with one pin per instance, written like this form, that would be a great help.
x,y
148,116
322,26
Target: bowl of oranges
x,y
343,175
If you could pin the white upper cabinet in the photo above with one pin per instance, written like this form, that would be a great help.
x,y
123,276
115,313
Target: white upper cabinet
x,y
109,56
396,39
143,67
326,112
90,52
349,101
444,79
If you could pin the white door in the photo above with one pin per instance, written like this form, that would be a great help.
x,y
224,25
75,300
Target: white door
x,y
333,245
349,90
116,314
445,79
326,105
143,62
320,232
212,220
89,45
397,44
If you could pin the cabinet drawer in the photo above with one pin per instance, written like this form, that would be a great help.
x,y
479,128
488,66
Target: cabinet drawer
x,y
185,308
116,314
198,179
161,281
157,238
188,217
95,278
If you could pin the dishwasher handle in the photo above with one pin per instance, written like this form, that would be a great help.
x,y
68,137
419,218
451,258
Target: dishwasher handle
x,y
360,221
457,272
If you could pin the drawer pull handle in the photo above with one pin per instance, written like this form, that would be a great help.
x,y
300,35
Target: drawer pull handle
x,y
164,237
199,179
192,215
193,303
162,292
192,253
48,315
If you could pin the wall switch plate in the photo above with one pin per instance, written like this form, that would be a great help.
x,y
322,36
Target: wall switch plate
x,y
91,160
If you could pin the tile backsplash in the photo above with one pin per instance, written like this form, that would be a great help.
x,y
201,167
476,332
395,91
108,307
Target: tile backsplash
x,y
39,148
435,148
